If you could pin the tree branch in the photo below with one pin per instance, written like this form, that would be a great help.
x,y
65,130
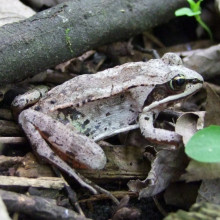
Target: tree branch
x,y
69,29
38,207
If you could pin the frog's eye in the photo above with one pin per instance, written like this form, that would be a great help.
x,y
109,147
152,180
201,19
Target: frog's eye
x,y
178,82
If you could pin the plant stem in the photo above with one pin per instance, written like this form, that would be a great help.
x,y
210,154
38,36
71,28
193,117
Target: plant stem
x,y
199,20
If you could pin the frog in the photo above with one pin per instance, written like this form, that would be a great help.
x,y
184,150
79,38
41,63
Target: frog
x,y
67,123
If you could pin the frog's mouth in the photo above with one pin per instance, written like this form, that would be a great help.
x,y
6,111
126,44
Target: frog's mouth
x,y
192,86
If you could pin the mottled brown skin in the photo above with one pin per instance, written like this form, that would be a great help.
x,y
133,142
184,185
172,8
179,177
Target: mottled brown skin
x,y
88,108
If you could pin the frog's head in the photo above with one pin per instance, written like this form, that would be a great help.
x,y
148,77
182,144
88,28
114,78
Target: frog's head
x,y
179,83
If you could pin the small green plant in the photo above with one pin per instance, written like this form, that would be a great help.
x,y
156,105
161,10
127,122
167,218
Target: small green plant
x,y
194,10
204,146
68,40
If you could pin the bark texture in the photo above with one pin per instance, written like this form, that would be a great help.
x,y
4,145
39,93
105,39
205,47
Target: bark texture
x,y
69,29
37,207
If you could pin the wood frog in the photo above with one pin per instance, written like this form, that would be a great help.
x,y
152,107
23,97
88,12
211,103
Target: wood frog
x,y
73,116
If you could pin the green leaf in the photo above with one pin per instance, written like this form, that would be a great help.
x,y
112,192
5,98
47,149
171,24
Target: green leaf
x,y
186,11
192,4
204,146
195,6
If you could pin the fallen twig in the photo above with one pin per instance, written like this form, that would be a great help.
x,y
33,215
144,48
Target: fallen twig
x,y
12,140
41,208
42,182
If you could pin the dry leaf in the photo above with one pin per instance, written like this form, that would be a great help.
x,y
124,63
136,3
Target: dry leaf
x,y
204,61
13,11
189,123
212,107
167,167
209,191
3,211
200,171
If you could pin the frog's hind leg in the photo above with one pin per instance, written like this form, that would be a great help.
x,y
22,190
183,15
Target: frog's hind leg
x,y
34,123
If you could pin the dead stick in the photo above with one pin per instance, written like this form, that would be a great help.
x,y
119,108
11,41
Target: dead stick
x,y
71,28
39,207
12,140
42,182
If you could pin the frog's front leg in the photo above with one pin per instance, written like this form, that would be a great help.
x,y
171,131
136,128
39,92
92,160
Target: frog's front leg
x,y
46,134
146,122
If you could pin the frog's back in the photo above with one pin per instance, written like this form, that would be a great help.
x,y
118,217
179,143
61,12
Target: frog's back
x,y
86,88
